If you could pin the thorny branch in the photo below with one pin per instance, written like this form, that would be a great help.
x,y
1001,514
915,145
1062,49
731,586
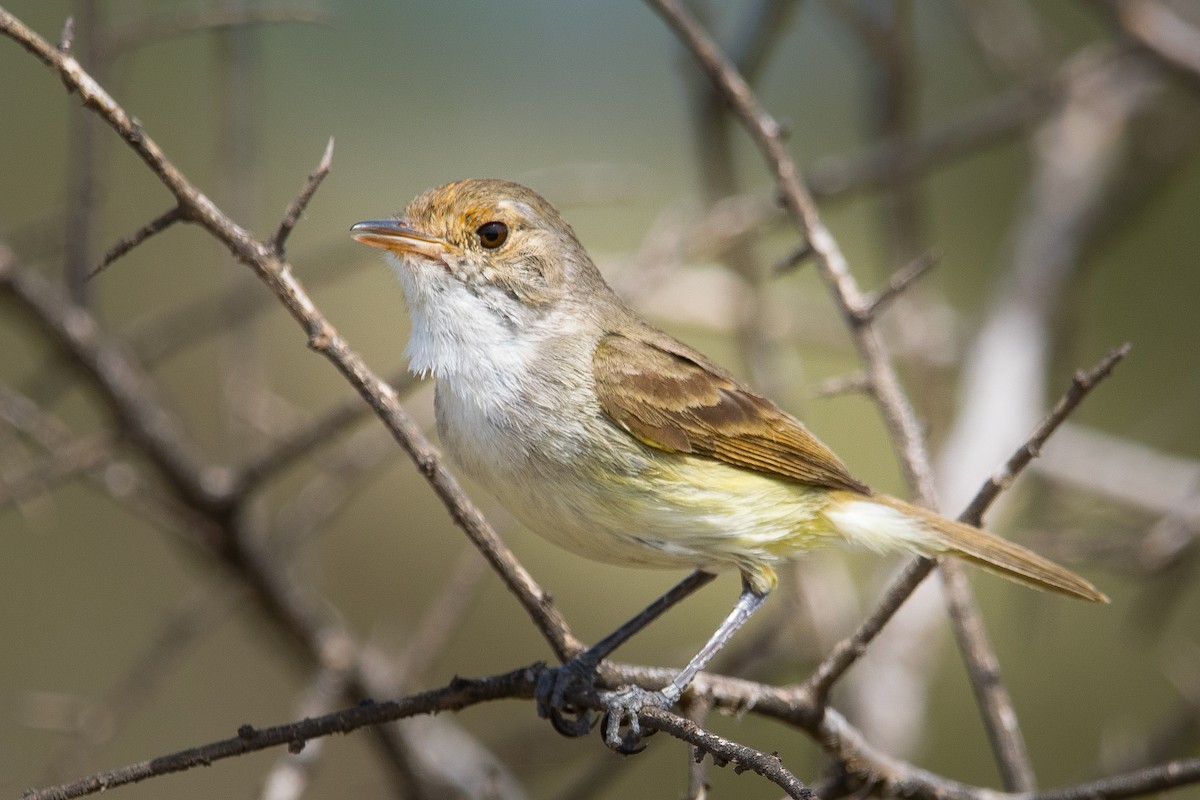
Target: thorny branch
x,y
874,768
322,337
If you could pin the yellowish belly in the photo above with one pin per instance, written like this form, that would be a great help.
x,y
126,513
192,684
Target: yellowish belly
x,y
684,512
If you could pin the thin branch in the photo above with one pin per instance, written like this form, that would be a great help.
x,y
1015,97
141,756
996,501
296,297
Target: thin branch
x,y
156,225
459,694
983,671
900,280
792,260
1159,778
301,201
847,651
1082,383
309,436
195,320
69,459
853,382
724,752
890,777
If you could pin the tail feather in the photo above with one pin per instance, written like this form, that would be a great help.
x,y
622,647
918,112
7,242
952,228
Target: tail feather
x,y
1005,558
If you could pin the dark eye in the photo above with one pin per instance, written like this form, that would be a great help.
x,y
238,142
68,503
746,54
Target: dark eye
x,y
492,234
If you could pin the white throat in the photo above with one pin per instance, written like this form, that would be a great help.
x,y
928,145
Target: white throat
x,y
470,346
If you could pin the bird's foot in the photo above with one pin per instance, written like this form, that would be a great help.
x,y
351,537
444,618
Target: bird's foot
x,y
623,707
553,686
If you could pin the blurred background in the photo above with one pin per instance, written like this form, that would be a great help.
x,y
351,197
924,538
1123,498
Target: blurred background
x,y
1044,155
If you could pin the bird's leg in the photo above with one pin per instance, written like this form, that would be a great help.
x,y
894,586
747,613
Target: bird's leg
x,y
581,670
625,703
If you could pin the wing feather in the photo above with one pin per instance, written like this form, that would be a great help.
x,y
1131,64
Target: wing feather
x,y
672,398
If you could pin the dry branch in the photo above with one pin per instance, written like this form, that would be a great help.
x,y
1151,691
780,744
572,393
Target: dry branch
x,y
322,337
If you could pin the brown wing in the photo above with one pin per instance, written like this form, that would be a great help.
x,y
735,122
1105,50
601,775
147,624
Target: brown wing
x,y
673,398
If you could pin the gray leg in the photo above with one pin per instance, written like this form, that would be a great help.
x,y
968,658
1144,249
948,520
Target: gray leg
x,y
624,704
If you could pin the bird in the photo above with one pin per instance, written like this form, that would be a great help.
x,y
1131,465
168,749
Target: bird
x,y
611,438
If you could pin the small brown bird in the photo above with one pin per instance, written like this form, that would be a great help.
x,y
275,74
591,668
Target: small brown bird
x,y
611,438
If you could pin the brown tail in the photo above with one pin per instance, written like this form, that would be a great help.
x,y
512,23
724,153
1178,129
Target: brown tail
x,y
997,555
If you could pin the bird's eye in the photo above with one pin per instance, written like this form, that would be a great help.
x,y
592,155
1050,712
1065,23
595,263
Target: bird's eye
x,y
492,234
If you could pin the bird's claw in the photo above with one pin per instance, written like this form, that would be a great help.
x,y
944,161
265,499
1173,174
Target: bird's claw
x,y
552,688
621,728
623,707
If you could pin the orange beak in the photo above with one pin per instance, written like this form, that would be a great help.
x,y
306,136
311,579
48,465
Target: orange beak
x,y
391,234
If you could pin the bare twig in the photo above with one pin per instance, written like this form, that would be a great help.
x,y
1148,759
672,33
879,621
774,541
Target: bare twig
x,y
70,459
458,694
983,671
792,260
309,436
868,768
901,279
847,651
156,225
301,201
1081,385
853,382
725,752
